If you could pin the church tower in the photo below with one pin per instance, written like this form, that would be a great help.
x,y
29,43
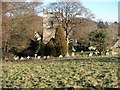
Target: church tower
x,y
50,23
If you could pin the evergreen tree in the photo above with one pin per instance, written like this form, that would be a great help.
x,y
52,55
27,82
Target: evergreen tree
x,y
102,25
60,41
99,39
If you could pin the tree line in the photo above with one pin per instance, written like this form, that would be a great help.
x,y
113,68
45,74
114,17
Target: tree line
x,y
20,20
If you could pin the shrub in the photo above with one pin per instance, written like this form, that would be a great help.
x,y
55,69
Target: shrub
x,y
50,48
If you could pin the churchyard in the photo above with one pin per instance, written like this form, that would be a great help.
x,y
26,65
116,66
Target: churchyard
x,y
59,46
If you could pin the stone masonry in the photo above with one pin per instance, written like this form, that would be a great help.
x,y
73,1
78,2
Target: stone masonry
x,y
50,23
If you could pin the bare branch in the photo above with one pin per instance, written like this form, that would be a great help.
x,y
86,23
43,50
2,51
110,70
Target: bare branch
x,y
69,12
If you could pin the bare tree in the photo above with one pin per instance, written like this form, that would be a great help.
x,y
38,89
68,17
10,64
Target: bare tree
x,y
18,17
25,8
69,12
5,25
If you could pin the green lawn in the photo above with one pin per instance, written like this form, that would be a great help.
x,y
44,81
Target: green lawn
x,y
100,72
84,53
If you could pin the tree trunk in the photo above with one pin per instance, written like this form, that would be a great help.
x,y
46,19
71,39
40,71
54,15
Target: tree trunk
x,y
67,46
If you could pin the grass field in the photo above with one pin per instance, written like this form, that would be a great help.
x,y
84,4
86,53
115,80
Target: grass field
x,y
81,73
